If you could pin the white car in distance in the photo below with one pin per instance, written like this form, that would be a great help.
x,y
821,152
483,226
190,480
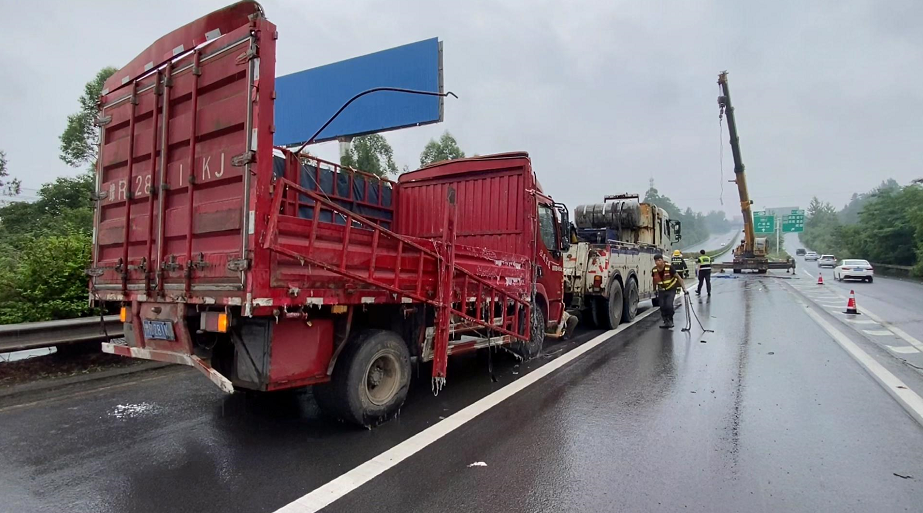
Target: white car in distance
x,y
854,269
826,261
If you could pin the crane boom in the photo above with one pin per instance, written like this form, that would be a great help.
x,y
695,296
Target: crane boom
x,y
724,101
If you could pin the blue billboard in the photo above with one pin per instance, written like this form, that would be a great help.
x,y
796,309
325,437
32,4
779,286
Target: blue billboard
x,y
305,100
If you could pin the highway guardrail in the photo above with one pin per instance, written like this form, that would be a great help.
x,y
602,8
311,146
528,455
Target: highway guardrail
x,y
33,335
724,249
898,271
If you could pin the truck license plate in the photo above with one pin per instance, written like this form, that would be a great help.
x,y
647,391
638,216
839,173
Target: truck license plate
x,y
158,330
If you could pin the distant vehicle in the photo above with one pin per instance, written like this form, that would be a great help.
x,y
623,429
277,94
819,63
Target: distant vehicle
x,y
800,252
810,256
854,269
826,261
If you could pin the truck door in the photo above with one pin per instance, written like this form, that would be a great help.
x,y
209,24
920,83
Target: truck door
x,y
550,258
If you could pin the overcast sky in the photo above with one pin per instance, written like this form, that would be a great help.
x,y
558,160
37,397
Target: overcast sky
x,y
604,95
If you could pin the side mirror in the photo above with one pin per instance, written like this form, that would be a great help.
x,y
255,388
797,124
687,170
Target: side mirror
x,y
677,230
564,225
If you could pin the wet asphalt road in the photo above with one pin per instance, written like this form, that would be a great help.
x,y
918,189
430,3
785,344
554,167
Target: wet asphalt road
x,y
714,242
766,414
898,301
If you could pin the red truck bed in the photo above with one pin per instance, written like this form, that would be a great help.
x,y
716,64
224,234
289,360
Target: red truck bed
x,y
269,270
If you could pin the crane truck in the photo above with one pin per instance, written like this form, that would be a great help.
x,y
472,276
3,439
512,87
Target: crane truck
x,y
607,270
753,252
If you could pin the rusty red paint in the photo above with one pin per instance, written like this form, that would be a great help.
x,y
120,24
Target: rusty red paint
x,y
189,138
445,286
300,352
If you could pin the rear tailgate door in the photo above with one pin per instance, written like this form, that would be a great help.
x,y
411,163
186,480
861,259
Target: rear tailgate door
x,y
173,173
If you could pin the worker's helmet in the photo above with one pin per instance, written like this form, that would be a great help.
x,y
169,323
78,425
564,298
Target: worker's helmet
x,y
676,252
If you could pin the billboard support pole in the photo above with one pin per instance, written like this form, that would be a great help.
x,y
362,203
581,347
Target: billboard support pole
x,y
345,145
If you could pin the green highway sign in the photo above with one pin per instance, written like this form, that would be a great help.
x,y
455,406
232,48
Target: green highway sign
x,y
763,223
793,222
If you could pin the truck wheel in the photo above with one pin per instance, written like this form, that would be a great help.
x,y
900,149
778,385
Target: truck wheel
x,y
370,379
630,309
533,347
612,314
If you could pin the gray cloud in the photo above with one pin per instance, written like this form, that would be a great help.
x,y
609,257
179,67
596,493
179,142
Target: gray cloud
x,y
604,95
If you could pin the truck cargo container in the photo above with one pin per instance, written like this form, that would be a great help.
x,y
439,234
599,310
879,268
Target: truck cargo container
x,y
270,270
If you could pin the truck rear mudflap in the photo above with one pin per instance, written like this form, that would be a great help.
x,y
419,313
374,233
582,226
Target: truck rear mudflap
x,y
171,357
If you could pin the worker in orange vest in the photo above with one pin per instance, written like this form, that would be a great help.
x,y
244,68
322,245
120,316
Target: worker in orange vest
x,y
667,280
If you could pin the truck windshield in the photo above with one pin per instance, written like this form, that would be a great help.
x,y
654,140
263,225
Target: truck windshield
x,y
546,226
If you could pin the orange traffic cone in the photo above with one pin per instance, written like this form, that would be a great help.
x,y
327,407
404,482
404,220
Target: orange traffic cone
x,y
851,304
820,279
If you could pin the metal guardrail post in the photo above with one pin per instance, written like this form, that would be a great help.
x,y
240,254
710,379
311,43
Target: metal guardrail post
x,y
32,335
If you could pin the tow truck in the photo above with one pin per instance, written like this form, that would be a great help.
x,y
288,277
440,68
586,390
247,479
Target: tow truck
x,y
607,270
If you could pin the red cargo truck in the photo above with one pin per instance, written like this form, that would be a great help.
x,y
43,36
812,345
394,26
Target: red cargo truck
x,y
268,270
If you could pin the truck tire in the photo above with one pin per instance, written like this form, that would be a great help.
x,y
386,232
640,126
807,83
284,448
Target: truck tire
x,y
370,379
612,313
533,348
630,310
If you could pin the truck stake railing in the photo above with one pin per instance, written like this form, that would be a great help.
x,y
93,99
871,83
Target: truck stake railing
x,y
472,307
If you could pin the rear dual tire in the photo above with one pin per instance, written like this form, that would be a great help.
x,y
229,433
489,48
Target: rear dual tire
x,y
370,379
608,311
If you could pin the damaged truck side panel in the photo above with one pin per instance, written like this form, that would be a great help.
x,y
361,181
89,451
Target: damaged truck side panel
x,y
268,270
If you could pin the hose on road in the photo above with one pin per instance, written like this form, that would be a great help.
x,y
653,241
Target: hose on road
x,y
689,310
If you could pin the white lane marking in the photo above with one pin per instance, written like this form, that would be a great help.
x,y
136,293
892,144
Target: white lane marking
x,y
325,495
858,321
879,333
903,349
894,329
906,397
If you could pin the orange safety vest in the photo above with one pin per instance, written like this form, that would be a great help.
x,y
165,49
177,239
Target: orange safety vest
x,y
666,283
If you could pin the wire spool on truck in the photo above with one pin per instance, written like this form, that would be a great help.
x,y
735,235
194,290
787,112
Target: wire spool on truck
x,y
268,270
607,272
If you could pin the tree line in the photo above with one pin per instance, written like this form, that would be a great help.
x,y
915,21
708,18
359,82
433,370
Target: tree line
x,y
696,226
372,154
884,225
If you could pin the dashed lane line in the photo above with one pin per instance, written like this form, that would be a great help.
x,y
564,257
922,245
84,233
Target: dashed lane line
x,y
879,333
907,398
903,349
894,329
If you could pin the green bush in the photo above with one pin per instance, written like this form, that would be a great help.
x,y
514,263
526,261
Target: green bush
x,y
45,279
44,252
